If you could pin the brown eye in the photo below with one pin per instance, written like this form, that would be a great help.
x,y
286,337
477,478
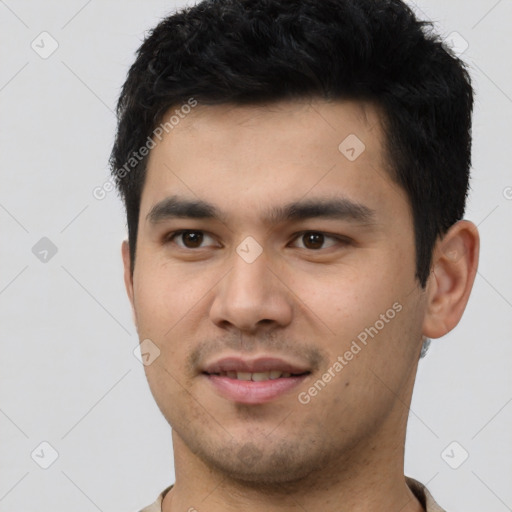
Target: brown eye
x,y
192,239
313,240
318,240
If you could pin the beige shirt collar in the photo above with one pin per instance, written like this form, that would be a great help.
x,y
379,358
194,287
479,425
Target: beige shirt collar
x,y
419,490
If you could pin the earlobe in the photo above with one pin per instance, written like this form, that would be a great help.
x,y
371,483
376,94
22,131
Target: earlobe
x,y
454,266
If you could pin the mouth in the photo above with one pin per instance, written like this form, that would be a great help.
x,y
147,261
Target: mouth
x,y
254,381
258,376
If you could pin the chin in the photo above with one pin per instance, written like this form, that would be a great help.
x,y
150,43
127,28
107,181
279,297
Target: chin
x,y
259,465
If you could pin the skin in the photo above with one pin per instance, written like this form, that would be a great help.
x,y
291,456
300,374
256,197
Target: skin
x,y
306,303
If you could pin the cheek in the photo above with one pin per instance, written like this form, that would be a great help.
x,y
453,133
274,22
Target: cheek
x,y
171,306
367,313
166,295
346,298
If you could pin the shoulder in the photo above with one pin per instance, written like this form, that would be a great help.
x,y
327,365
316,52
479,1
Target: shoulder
x,y
156,506
425,498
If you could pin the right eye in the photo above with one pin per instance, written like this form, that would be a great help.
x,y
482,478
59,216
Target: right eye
x,y
190,239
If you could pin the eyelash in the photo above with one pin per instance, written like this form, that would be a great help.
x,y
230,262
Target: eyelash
x,y
169,238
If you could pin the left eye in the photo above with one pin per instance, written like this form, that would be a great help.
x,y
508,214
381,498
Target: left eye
x,y
190,239
316,240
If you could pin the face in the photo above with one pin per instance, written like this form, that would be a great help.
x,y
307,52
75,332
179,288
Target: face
x,y
274,272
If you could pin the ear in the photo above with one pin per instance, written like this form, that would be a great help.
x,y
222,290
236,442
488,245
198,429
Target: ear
x,y
454,266
128,277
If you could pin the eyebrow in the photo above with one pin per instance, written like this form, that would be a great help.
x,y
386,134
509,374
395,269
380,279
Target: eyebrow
x,y
339,208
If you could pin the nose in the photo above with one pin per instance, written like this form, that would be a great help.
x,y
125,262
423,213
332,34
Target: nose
x,y
250,297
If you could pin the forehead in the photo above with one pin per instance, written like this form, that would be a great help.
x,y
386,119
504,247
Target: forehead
x,y
323,123
271,152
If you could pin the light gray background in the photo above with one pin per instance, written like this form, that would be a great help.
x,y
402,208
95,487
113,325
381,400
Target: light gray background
x,y
67,370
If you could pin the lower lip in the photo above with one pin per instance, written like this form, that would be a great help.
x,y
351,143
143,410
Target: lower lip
x,y
251,392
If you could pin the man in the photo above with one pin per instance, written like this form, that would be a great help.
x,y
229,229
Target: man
x,y
294,175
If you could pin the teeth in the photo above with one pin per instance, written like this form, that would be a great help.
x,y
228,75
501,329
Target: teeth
x,y
256,376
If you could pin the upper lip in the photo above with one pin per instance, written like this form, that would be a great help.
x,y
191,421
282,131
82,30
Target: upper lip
x,y
261,364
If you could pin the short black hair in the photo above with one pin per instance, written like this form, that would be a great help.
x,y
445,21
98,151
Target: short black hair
x,y
252,51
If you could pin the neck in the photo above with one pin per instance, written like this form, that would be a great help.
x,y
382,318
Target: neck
x,y
376,482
